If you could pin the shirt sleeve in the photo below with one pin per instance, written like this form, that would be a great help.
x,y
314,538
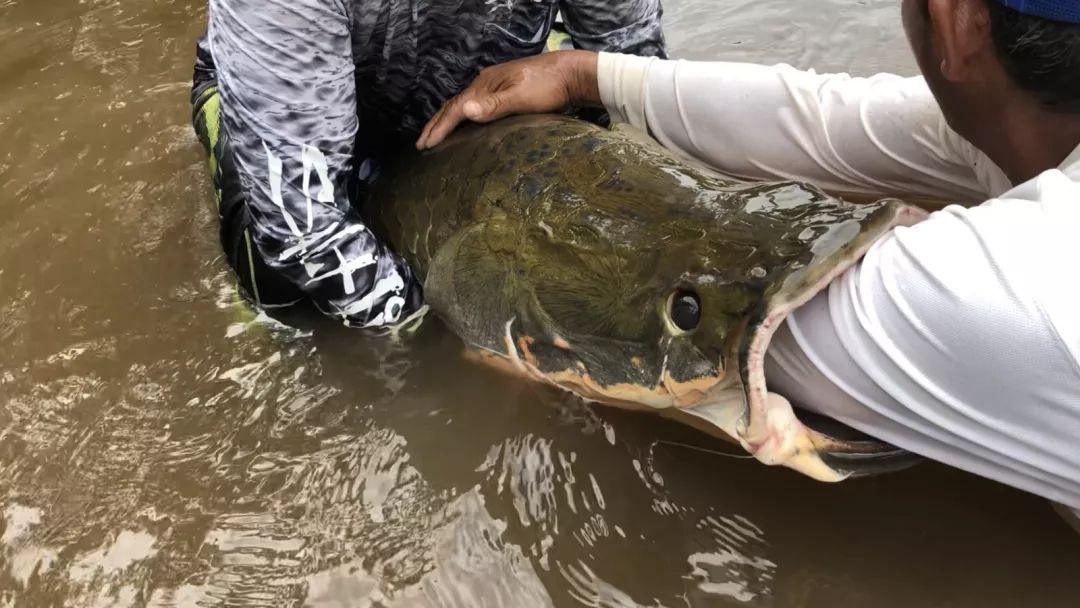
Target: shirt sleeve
x,y
628,26
955,339
883,135
287,84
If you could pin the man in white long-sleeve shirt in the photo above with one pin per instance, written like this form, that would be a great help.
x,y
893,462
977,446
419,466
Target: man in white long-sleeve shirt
x,y
957,338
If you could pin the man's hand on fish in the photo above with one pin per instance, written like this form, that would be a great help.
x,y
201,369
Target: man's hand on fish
x,y
533,85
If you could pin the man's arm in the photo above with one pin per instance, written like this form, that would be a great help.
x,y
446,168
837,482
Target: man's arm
x,y
955,339
879,135
872,136
289,107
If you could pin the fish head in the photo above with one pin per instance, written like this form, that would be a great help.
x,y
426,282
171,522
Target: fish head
x,y
608,268
579,305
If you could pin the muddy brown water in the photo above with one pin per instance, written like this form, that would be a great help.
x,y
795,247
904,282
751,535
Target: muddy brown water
x,y
159,447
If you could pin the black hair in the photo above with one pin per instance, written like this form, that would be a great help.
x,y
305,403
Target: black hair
x,y
1041,56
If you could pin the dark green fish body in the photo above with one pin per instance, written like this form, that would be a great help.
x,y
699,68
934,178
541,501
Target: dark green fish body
x,y
598,261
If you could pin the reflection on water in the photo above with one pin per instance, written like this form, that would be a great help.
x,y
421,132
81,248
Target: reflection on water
x,y
162,446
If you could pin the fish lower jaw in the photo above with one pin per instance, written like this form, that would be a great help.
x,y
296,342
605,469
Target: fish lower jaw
x,y
778,438
783,440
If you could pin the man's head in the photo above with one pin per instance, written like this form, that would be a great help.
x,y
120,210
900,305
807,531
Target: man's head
x,y
991,58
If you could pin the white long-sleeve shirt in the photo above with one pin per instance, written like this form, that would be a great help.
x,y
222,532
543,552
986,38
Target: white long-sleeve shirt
x,y
957,338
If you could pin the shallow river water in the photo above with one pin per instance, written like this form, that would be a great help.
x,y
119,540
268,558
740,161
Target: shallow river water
x,y
159,447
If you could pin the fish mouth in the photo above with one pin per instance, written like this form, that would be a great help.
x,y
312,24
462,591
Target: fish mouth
x,y
766,424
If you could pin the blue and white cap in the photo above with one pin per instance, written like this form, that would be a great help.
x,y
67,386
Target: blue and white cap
x,y
1067,11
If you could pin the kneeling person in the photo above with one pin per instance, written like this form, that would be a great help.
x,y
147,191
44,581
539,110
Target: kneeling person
x,y
297,101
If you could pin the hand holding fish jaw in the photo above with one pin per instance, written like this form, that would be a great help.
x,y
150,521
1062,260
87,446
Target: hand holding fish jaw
x,y
533,85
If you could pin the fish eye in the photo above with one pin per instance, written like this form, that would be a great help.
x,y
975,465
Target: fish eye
x,y
685,310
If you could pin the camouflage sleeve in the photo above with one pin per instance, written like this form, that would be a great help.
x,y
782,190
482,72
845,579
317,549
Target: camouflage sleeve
x,y
627,26
285,74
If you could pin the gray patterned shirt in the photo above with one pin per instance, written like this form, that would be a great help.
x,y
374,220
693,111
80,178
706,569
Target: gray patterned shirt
x,y
314,91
